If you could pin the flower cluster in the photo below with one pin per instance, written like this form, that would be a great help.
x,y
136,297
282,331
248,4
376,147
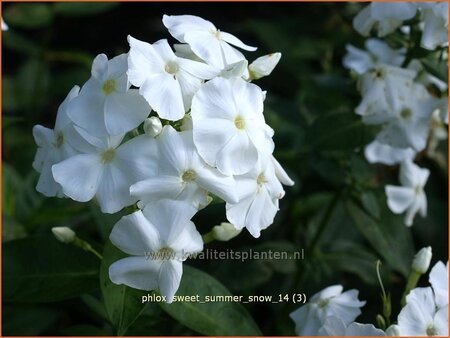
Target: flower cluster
x,y
400,96
332,312
167,129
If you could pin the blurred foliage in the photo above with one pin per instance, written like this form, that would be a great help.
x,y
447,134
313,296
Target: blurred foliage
x,y
336,212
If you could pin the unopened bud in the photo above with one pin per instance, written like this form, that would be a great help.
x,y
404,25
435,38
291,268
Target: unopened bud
x,y
152,126
421,261
393,331
64,234
225,231
263,65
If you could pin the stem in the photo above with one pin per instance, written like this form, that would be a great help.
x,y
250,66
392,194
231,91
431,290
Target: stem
x,y
411,284
86,247
208,237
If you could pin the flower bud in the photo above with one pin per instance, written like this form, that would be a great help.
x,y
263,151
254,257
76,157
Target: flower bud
x,y
393,331
225,231
421,261
64,234
152,126
263,65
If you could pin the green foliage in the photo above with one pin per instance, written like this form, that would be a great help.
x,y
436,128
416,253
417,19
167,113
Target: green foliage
x,y
209,318
41,269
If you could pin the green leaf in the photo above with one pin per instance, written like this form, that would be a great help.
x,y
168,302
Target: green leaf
x,y
123,304
28,15
389,237
75,9
41,269
338,131
209,318
370,204
28,319
19,43
436,68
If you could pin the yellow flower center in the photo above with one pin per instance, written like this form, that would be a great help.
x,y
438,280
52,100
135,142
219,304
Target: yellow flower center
x,y
261,179
171,68
108,156
109,86
406,113
59,140
165,254
239,122
189,176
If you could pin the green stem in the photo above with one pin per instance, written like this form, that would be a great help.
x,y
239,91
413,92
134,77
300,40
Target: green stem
x,y
411,284
208,237
86,246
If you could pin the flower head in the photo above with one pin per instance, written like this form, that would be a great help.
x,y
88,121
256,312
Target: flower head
x,y
159,238
209,43
409,197
167,81
106,104
331,301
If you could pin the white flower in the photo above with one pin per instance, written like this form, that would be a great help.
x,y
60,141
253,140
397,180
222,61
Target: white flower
x,y
167,81
329,302
106,104
64,234
378,52
410,197
225,231
210,44
421,317
182,174
263,65
159,239
386,17
106,170
334,326
422,259
435,31
383,89
259,191
236,70
152,126
377,152
439,281
229,126
54,146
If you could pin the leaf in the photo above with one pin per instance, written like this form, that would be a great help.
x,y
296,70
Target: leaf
x,y
123,304
75,9
370,204
27,319
209,318
29,15
436,68
338,131
389,237
41,269
19,43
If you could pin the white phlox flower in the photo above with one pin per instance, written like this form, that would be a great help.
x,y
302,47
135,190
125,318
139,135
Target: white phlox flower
x,y
435,30
439,281
159,239
377,152
167,82
105,169
209,43
331,301
409,197
182,174
421,316
385,17
228,125
334,326
54,146
377,52
106,104
259,192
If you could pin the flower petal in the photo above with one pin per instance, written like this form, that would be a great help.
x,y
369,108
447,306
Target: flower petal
x,y
238,155
136,272
399,198
169,278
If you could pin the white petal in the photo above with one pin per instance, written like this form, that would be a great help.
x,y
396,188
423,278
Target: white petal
x,y
164,51
187,241
79,176
46,184
163,92
197,69
396,10
237,156
113,192
157,188
169,278
399,198
281,173
135,235
43,136
87,111
178,25
377,152
333,326
439,281
441,322
125,111
62,119
231,39
136,272
173,149
99,69
261,213
363,21
206,46
213,181
362,330
188,85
